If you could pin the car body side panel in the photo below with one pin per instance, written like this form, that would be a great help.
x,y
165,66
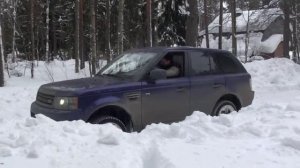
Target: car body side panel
x,y
205,91
165,101
239,85
129,100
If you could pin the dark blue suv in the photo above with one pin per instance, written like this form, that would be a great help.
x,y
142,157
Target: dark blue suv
x,y
150,85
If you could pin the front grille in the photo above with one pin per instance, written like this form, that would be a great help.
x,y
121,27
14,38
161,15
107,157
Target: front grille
x,y
45,98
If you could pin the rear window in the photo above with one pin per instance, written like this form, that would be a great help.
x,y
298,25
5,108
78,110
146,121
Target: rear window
x,y
228,64
199,63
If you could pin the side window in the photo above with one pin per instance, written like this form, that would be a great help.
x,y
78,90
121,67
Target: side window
x,y
200,63
214,65
173,63
227,65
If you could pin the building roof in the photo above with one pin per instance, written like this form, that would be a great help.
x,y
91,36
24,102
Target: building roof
x,y
259,20
271,44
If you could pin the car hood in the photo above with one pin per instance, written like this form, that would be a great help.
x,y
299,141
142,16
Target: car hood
x,y
70,87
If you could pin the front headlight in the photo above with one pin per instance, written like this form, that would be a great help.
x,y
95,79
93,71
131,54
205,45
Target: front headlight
x,y
66,103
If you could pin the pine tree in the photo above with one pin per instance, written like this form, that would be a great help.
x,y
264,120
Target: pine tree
x,y
77,39
221,24
192,23
93,36
206,23
32,37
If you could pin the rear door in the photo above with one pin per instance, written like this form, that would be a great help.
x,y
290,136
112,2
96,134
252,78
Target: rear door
x,y
207,84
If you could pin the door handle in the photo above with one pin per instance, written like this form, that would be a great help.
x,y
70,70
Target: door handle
x,y
133,97
217,85
180,89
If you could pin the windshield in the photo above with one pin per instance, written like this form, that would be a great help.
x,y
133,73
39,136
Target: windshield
x,y
128,64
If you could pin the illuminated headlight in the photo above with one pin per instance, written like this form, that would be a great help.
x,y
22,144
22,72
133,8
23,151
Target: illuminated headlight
x,y
66,103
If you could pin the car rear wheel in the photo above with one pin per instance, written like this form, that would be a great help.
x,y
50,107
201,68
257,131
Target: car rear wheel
x,y
224,107
111,120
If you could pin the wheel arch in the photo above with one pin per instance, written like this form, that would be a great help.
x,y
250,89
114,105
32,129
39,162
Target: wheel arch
x,y
233,98
114,111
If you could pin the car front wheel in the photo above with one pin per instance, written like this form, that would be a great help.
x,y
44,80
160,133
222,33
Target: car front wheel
x,y
224,107
111,120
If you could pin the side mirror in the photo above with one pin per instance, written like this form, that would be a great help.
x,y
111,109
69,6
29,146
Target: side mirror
x,y
157,74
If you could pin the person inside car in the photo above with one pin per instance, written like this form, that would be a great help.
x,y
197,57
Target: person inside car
x,y
171,68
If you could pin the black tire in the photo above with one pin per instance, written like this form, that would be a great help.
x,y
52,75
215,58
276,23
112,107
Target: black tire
x,y
222,104
113,120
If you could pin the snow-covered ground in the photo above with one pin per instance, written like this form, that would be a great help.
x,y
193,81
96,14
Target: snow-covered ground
x,y
263,135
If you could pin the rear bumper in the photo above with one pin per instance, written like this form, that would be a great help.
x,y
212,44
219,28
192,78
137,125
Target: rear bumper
x,y
248,99
57,115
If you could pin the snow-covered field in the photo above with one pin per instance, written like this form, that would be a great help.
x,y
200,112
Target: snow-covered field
x,y
263,135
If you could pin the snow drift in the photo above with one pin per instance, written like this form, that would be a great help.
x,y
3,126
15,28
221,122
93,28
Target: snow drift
x,y
265,134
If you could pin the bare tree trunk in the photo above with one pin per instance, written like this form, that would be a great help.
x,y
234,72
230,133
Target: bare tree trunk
x,y
247,39
121,27
82,57
32,37
47,32
107,32
93,35
206,23
287,32
294,23
1,54
192,24
149,23
14,32
221,24
297,31
233,18
53,29
77,36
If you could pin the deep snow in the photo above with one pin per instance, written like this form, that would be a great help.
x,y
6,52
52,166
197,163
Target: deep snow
x,y
265,134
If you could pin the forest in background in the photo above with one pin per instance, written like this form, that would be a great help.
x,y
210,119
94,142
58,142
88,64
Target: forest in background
x,y
89,30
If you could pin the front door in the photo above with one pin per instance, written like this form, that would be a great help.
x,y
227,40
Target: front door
x,y
167,100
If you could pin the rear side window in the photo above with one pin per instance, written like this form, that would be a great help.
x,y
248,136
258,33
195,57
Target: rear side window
x,y
199,63
227,64
202,63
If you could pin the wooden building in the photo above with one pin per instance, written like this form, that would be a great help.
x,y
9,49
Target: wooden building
x,y
264,28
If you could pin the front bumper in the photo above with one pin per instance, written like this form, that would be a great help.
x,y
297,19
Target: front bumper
x,y
57,115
